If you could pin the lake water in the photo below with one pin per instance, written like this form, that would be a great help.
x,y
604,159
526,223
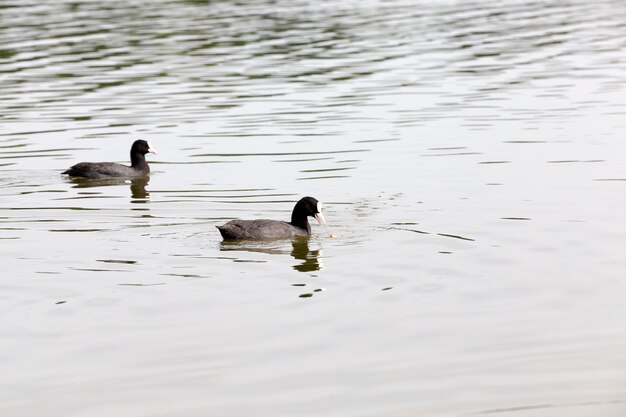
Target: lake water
x,y
470,158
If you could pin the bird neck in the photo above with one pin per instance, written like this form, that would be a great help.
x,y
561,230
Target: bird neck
x,y
300,221
138,161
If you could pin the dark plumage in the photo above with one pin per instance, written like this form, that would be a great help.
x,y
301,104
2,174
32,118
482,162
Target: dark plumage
x,y
275,229
100,170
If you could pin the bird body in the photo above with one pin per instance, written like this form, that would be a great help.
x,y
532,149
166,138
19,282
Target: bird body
x,y
103,170
276,229
260,229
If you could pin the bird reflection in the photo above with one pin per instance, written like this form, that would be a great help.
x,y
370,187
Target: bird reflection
x,y
308,260
311,258
137,186
138,189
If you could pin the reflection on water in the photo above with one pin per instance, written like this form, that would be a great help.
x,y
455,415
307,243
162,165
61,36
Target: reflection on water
x,y
311,259
138,189
308,260
137,185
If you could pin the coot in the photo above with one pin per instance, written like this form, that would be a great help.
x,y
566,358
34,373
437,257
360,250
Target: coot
x,y
98,170
274,229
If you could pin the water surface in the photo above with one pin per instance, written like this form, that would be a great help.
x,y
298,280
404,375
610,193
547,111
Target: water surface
x,y
470,160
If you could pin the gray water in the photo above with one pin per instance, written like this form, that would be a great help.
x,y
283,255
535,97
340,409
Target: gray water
x,y
469,156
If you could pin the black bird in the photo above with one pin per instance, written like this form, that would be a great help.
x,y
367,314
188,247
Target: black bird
x,y
275,229
99,170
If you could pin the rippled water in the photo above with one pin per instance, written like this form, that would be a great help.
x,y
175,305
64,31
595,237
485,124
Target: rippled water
x,y
469,156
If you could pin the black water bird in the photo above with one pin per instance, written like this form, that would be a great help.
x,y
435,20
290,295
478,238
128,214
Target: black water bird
x,y
103,170
275,229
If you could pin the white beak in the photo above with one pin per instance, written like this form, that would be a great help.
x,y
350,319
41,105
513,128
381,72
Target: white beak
x,y
151,149
320,218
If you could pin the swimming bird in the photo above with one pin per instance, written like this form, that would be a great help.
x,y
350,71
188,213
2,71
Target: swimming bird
x,y
275,229
100,170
